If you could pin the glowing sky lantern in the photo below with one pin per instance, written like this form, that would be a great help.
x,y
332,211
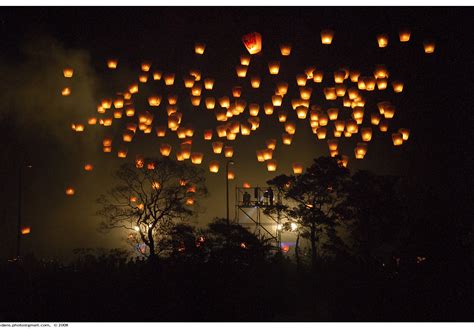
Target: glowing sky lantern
x,y
327,36
382,40
66,91
112,63
68,72
285,49
25,230
70,191
404,35
199,48
214,166
253,42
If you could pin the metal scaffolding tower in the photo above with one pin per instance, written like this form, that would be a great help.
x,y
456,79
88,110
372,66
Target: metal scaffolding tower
x,y
250,204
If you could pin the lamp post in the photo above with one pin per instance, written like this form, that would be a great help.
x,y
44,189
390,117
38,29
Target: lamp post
x,y
20,198
227,188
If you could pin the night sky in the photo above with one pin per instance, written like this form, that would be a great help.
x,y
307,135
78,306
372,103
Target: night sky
x,y
37,43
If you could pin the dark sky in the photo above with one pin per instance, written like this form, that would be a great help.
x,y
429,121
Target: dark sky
x,y
37,43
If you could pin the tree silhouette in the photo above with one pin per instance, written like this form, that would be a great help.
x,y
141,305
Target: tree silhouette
x,y
151,197
314,201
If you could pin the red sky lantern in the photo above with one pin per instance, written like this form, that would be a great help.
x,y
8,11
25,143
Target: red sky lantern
x,y
253,42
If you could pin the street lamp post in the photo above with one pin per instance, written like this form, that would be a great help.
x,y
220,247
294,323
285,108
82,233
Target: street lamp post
x,y
227,188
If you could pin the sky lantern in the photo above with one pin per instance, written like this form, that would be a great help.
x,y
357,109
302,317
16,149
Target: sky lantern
x,y
290,127
217,147
255,81
199,48
230,174
130,111
333,144
382,83
66,91
146,65
214,166
255,122
260,157
301,112
340,90
277,100
207,134
405,133
282,87
282,116
179,156
360,150
157,74
333,113
339,125
429,46
210,103
188,81
330,93
25,230
245,129
305,93
404,35
70,191
254,109
112,63
68,72
339,76
172,99
245,59
118,103
169,78
318,76
209,83
286,138
228,151
366,134
327,36
122,153
160,131
354,75
268,108
154,100
382,40
397,86
165,149
195,100
143,78
285,49
88,167
224,102
383,125
375,119
241,71
323,119
369,83
271,165
274,67
389,111
333,153
301,80
196,74
271,143
267,154
253,42
397,139
133,89
127,136
236,91
321,132
107,149
297,168
351,126
196,89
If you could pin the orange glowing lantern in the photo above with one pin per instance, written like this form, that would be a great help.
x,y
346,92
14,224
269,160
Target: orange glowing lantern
x,y
214,166
285,49
382,40
157,75
404,35
199,48
366,134
228,151
429,46
397,86
274,67
271,165
327,36
209,83
68,72
253,42
146,66
88,167
397,139
297,168
66,91
165,149
286,138
196,157
405,133
25,230
169,78
70,191
112,64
